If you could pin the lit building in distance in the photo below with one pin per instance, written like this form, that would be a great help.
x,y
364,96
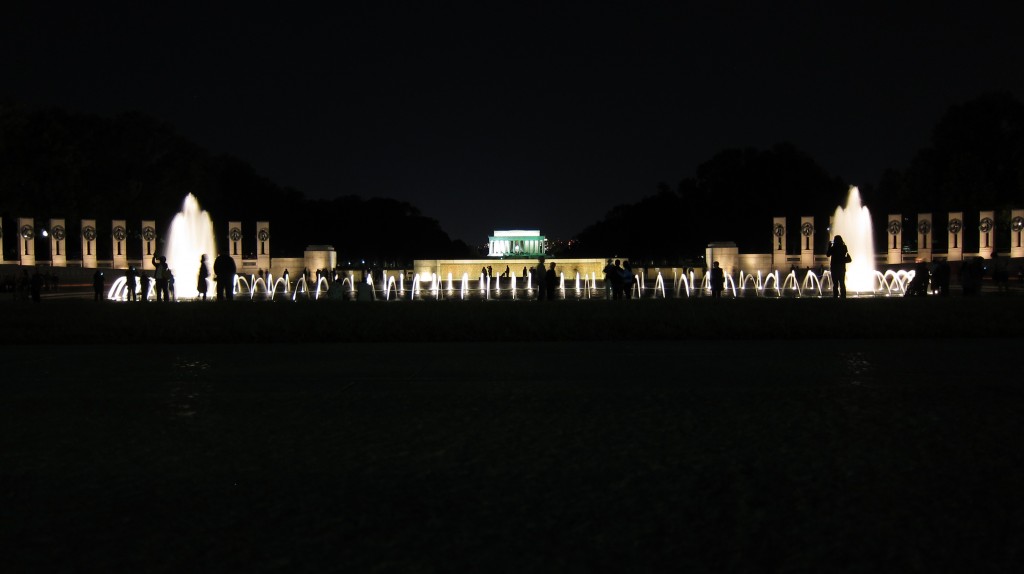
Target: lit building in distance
x,y
517,243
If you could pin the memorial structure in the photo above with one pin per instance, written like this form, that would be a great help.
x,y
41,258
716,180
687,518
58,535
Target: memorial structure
x,y
517,243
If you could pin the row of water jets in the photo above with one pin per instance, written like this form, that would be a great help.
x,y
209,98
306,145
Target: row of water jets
x,y
585,286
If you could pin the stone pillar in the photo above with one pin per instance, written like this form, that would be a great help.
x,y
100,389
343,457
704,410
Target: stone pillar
x,y
1,241
895,247
986,234
806,242
924,236
89,243
726,254
262,245
148,244
58,243
235,243
955,251
1016,230
26,241
779,242
119,244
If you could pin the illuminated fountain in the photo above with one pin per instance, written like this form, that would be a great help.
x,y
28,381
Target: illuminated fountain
x,y
190,237
854,223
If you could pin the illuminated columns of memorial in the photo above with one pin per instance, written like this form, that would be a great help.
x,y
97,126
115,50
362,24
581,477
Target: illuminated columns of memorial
x,y
89,243
235,242
778,242
148,239
955,249
58,243
924,236
807,242
1016,231
986,233
895,242
26,241
118,244
262,245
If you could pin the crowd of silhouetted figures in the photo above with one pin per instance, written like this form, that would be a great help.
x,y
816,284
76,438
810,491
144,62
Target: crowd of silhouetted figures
x,y
23,284
935,278
932,278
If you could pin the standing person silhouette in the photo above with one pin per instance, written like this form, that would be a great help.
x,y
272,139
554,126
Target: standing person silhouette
x,y
839,256
551,281
716,279
610,275
131,281
162,275
204,272
143,287
97,286
541,276
224,270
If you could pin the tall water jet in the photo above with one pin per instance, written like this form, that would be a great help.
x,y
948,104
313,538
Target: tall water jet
x,y
853,222
191,236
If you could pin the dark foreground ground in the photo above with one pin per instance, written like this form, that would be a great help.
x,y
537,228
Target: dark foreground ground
x,y
878,455
74,321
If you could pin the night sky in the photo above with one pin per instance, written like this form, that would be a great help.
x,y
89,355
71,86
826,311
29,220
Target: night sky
x,y
518,115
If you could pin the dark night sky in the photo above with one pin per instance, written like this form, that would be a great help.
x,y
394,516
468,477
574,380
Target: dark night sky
x,y
516,114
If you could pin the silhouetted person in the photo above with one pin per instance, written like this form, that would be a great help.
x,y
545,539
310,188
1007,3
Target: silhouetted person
x,y
918,286
507,271
224,274
618,280
940,278
541,275
971,273
131,282
143,287
1000,272
24,285
204,272
37,286
97,286
162,276
839,256
611,277
716,280
551,281
627,280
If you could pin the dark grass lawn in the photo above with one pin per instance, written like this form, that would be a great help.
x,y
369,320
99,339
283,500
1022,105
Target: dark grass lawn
x,y
84,322
863,456
706,445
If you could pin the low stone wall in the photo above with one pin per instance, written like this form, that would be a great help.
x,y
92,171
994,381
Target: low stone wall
x,y
472,267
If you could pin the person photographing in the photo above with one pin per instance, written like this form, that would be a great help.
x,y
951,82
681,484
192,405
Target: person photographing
x,y
839,256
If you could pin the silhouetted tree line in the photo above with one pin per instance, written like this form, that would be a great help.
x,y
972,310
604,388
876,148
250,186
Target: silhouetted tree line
x,y
59,164
975,161
732,198
55,163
